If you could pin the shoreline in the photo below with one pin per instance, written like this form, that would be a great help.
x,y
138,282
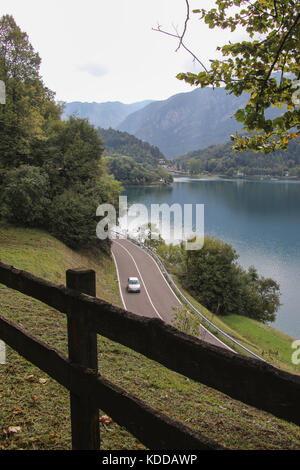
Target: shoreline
x,y
254,177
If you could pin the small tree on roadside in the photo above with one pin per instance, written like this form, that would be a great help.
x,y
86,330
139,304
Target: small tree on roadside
x,y
186,321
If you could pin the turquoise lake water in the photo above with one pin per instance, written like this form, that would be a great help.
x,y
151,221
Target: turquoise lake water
x,y
259,218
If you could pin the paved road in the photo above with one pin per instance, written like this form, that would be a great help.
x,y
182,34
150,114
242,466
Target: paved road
x,y
156,299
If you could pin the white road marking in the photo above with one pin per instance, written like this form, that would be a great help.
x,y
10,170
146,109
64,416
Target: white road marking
x,y
140,277
119,281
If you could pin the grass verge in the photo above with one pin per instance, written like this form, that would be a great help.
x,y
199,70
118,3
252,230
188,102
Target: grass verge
x,y
267,342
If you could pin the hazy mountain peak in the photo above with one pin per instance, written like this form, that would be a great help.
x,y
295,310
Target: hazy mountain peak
x,y
186,121
105,115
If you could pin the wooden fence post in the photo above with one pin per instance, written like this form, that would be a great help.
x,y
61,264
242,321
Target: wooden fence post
x,y
82,344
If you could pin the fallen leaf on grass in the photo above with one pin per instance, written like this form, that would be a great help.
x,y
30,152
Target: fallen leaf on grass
x,y
34,439
53,436
14,429
30,378
106,419
35,398
42,381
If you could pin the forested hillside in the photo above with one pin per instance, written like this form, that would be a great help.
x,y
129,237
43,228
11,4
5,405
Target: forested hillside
x,y
129,172
221,159
122,143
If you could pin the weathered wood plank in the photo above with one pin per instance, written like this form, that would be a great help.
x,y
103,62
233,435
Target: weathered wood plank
x,y
82,346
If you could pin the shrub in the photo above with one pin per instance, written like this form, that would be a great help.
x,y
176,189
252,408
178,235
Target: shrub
x,y
25,197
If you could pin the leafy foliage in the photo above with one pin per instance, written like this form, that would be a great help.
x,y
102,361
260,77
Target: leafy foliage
x,y
273,28
75,155
173,254
131,160
26,196
73,217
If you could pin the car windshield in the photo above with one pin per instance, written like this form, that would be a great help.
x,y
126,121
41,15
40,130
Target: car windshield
x,y
133,281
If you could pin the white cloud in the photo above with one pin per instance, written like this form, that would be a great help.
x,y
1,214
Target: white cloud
x,y
94,69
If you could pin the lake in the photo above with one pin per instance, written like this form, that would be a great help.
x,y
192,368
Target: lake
x,y
259,218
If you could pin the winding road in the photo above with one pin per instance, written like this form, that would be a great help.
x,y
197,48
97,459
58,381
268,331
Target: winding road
x,y
156,299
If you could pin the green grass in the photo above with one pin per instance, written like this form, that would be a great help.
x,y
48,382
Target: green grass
x,y
41,410
43,255
274,344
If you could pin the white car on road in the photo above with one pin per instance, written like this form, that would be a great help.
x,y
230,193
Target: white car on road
x,y
133,285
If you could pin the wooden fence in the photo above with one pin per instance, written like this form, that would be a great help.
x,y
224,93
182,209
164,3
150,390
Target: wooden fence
x,y
246,379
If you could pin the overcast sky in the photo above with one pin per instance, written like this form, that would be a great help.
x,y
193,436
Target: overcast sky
x,y
105,50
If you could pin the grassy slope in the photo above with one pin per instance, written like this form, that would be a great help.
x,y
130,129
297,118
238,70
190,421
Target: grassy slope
x,y
42,409
274,345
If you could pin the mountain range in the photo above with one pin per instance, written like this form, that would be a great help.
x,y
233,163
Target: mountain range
x,y
105,115
177,125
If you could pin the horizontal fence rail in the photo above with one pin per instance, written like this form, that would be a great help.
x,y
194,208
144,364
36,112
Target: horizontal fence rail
x,y
246,379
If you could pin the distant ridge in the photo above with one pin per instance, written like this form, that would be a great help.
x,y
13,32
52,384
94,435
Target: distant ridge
x,y
105,115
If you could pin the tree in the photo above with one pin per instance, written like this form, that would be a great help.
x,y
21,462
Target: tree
x,y
164,174
213,277
194,166
26,196
172,254
72,218
75,156
266,66
28,102
210,275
